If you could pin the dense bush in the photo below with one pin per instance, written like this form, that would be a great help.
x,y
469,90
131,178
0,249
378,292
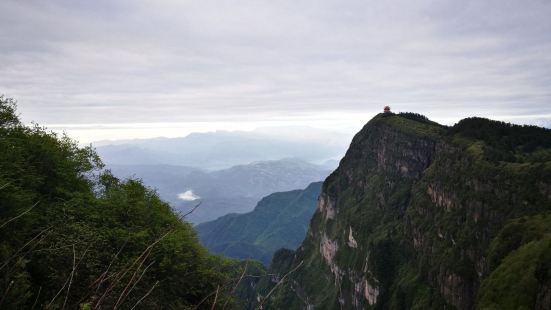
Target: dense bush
x,y
417,117
72,235
505,141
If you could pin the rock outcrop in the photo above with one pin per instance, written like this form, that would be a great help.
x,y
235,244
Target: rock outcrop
x,y
412,215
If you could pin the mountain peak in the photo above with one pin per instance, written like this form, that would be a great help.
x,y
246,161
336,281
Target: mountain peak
x,y
407,219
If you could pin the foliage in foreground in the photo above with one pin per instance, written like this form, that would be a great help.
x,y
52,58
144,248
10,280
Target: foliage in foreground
x,y
72,235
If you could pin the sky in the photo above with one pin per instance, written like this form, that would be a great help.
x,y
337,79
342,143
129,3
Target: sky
x,y
108,69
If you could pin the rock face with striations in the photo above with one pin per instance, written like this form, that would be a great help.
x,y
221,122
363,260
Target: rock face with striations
x,y
419,215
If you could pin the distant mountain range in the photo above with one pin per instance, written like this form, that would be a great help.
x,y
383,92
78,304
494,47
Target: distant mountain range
x,y
233,190
279,220
224,149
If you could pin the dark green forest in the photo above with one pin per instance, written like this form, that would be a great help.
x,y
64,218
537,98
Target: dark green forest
x,y
74,236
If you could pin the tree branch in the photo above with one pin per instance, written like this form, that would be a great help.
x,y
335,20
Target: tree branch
x,y
20,215
146,294
278,283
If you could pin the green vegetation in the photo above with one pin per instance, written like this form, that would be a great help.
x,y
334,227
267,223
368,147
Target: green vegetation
x,y
506,142
520,262
442,218
413,123
522,281
72,235
279,220
418,118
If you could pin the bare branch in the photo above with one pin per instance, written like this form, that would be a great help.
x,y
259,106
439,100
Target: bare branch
x,y
125,271
24,246
23,255
215,298
206,297
275,287
102,278
146,294
137,281
141,259
5,185
123,294
191,211
72,273
37,295
237,284
6,293
68,280
20,215
227,285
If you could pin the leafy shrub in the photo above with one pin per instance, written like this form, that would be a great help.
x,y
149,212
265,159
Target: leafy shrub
x,y
72,235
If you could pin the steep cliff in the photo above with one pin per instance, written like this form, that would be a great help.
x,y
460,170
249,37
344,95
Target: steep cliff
x,y
415,215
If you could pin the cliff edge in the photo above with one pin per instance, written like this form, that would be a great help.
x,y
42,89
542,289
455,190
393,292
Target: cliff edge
x,y
420,215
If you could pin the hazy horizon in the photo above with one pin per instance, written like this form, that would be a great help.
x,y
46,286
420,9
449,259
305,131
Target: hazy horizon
x,y
101,134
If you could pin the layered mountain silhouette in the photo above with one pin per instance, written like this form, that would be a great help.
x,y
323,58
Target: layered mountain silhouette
x,y
224,149
233,190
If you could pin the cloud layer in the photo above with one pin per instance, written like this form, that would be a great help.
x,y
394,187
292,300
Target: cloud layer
x,y
94,62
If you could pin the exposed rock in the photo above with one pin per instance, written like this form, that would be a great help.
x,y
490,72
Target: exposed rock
x,y
371,293
455,290
326,205
351,241
425,202
439,197
328,249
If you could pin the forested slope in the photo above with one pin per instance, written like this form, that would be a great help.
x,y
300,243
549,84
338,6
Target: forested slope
x,y
279,220
424,216
72,235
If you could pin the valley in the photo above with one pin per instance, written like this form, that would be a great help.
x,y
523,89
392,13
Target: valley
x,y
232,190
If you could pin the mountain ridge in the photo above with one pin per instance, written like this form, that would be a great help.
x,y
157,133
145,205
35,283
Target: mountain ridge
x,y
278,220
407,219
232,190
223,149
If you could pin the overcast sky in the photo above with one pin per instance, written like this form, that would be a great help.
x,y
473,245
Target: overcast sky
x,y
120,69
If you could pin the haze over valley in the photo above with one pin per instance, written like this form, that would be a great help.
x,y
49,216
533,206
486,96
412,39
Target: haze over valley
x,y
226,172
233,190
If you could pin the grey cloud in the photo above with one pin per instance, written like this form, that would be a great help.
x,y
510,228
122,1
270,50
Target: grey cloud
x,y
171,61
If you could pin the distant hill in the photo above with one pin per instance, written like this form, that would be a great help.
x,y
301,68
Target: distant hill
x,y
224,149
233,190
279,220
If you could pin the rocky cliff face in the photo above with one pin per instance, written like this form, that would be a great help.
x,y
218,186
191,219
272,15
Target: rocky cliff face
x,y
411,216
